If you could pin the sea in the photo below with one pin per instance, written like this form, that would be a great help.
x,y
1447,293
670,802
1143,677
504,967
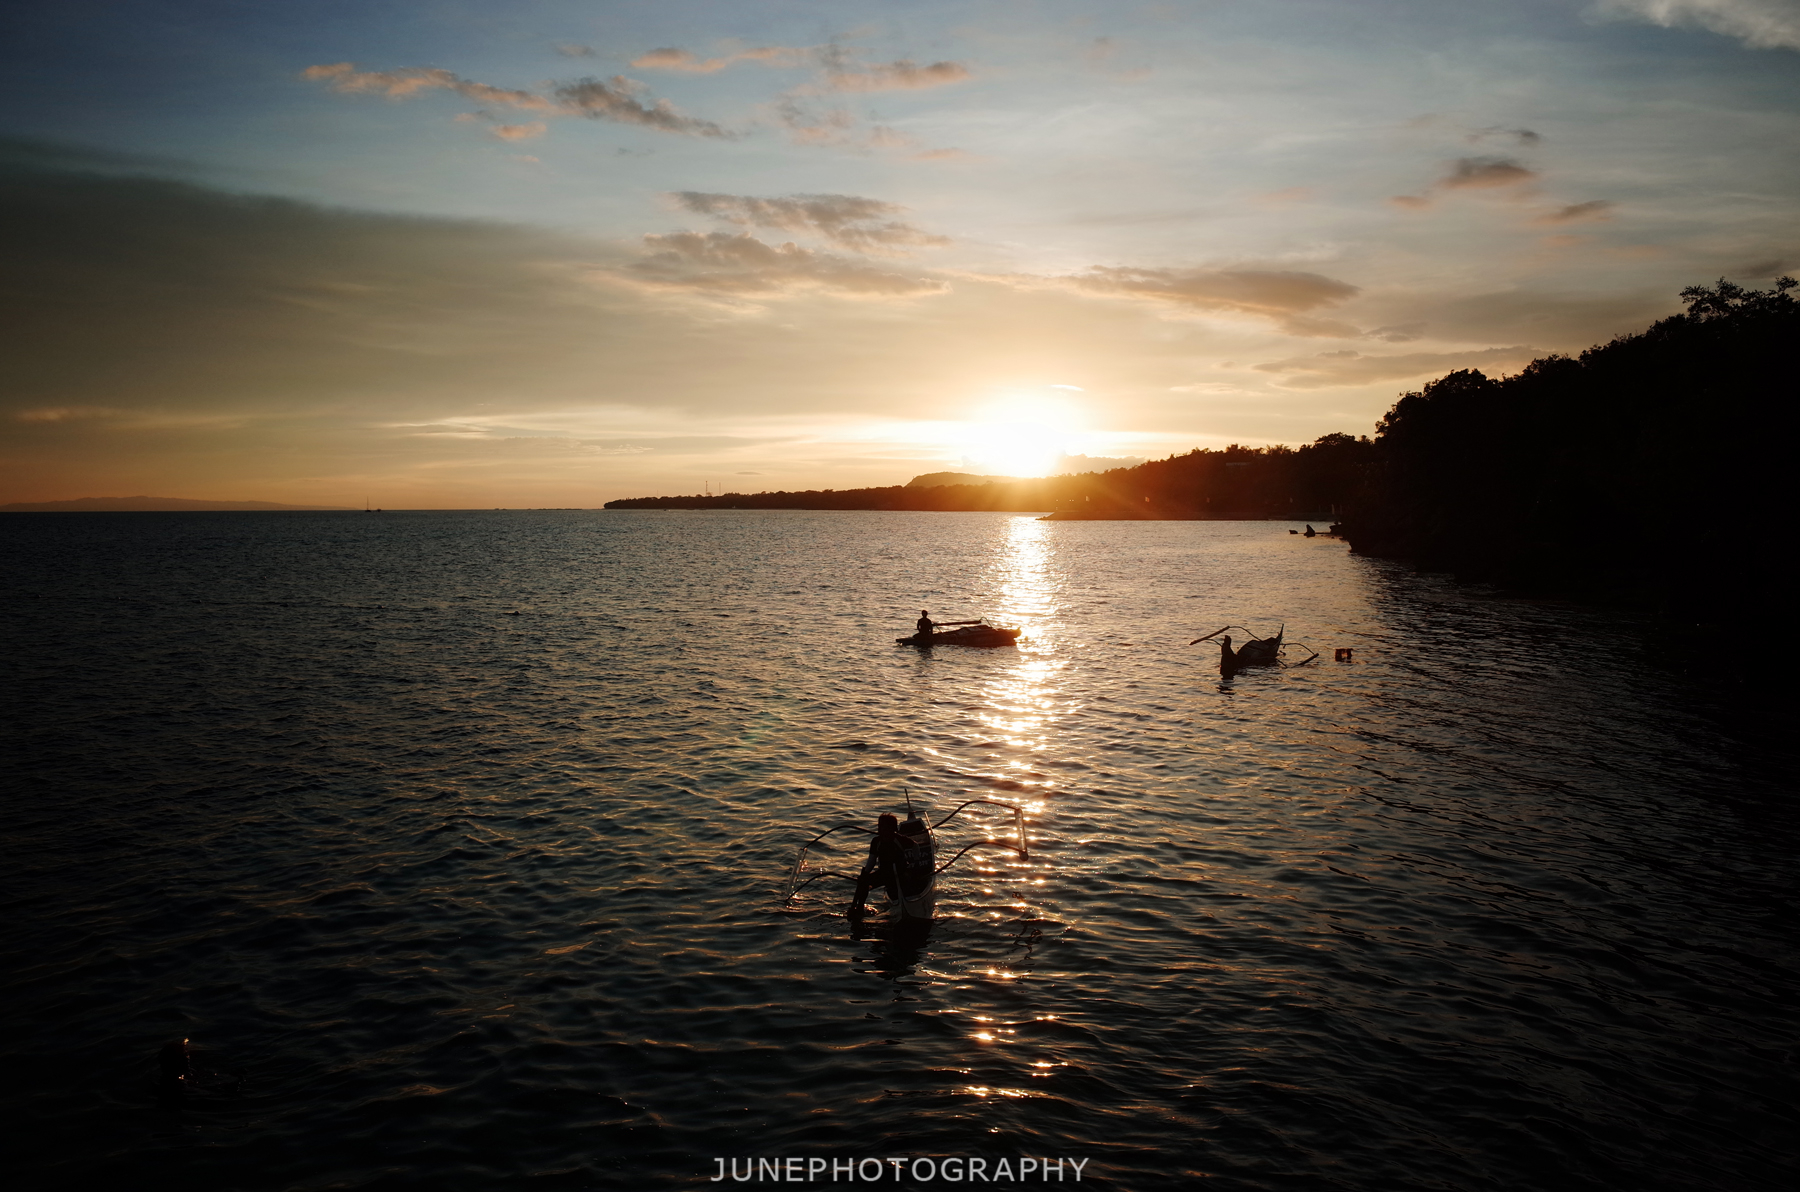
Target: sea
x,y
459,846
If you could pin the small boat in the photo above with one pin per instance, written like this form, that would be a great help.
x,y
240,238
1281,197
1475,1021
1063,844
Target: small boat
x,y
967,635
902,861
1256,651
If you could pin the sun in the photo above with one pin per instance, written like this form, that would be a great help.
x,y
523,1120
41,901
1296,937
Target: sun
x,y
1021,434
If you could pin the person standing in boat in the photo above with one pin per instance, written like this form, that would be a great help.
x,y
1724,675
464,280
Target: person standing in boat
x,y
926,624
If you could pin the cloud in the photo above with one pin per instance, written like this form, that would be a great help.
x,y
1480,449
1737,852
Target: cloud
x,y
1283,296
1330,369
145,296
1767,267
403,84
571,50
66,413
1521,136
685,61
1470,173
901,75
861,225
1399,333
1760,24
839,71
1555,320
1590,211
830,125
739,263
520,132
1476,173
617,99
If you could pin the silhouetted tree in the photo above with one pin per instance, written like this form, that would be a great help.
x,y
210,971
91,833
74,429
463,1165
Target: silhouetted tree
x,y
1651,464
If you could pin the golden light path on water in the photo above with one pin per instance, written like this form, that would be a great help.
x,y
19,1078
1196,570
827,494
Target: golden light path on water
x,y
1021,710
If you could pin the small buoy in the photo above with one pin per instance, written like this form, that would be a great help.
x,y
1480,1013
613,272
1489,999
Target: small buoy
x,y
1342,654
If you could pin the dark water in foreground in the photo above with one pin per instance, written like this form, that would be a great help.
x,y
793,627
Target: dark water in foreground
x,y
460,836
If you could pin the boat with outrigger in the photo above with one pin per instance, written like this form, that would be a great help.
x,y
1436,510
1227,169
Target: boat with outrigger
x,y
968,633
901,861
1256,651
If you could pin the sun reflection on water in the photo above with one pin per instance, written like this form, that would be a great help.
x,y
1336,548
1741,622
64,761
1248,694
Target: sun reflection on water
x,y
1020,700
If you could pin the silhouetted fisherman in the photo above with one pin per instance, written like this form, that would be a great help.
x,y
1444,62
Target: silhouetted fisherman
x,y
926,625
883,866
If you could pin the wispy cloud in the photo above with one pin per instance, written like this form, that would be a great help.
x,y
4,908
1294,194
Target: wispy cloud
x,y
1471,173
403,84
728,263
1590,211
1481,173
859,224
1281,295
838,66
687,62
1760,24
1346,367
67,413
900,75
618,99
1519,136
571,50
814,113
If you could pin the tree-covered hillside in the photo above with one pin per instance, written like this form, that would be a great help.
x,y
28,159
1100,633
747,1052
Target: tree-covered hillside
x,y
1660,462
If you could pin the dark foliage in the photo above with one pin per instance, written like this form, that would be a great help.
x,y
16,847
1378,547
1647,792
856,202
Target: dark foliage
x,y
1657,464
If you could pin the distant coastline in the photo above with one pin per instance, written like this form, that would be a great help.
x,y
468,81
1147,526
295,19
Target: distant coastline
x,y
1237,483
158,505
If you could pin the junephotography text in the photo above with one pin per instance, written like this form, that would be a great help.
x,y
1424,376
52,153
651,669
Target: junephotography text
x,y
955,1169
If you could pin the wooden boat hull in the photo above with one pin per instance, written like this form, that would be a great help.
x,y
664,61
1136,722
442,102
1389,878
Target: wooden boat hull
x,y
980,636
921,906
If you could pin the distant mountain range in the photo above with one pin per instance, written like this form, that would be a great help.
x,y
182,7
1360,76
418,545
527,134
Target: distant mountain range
x,y
1068,465
148,505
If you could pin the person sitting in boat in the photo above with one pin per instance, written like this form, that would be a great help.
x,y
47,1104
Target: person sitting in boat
x,y
926,624
885,862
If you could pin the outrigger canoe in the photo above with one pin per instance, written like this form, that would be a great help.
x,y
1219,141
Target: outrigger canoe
x,y
1256,651
968,635
902,861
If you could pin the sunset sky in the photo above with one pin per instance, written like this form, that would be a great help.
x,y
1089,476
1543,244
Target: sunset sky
x,y
549,253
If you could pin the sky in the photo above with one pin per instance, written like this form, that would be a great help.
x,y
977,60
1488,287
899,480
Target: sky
x,y
546,253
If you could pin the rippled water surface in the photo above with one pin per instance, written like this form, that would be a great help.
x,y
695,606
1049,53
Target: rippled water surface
x,y
461,837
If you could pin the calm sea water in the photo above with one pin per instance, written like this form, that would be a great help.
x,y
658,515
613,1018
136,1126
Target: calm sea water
x,y
461,837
